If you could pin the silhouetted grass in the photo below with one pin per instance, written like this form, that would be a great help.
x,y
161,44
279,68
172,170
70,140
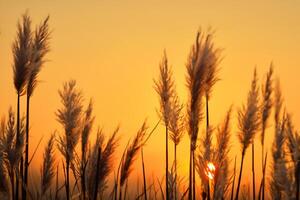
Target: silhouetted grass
x,y
91,162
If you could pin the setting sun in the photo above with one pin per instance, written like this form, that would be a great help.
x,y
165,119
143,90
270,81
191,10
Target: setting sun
x,y
210,170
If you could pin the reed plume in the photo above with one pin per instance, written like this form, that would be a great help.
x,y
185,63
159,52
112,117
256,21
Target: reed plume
x,y
88,121
130,156
40,47
280,183
293,147
48,168
164,87
280,186
221,179
176,127
105,166
267,101
210,81
4,182
202,55
69,116
92,163
12,152
172,182
248,124
21,50
8,147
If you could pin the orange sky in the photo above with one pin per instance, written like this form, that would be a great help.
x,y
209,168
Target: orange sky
x,y
112,49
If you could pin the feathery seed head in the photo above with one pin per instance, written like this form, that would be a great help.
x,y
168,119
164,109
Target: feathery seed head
x,y
267,101
48,169
164,87
248,117
277,102
21,54
88,121
40,47
69,116
203,55
131,153
106,161
176,125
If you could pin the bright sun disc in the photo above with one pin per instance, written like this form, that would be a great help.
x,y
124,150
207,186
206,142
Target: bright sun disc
x,y
210,170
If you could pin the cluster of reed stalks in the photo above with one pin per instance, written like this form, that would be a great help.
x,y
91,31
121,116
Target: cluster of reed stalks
x,y
87,165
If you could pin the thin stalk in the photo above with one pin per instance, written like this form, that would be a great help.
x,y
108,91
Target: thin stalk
x,y
67,177
21,173
232,188
260,189
126,189
144,176
194,179
208,190
120,193
263,181
18,143
175,163
207,127
83,167
297,179
12,181
118,173
26,148
190,173
240,176
262,161
167,164
116,190
83,184
56,187
97,174
253,172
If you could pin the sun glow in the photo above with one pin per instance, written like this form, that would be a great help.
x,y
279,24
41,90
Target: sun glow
x,y
210,170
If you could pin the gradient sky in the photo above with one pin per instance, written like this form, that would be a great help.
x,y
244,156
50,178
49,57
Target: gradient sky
x,y
113,48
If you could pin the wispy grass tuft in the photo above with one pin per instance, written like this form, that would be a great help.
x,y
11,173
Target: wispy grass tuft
x,y
88,120
130,156
267,102
293,143
248,124
105,165
4,181
164,87
39,49
22,53
11,152
202,55
21,50
69,116
48,167
221,180
280,186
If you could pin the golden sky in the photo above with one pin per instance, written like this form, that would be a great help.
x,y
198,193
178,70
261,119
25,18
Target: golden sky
x,y
113,48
